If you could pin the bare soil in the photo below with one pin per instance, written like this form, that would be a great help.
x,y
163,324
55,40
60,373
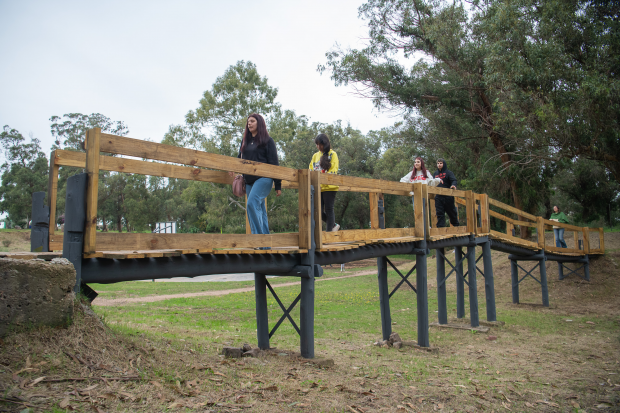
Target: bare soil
x,y
513,368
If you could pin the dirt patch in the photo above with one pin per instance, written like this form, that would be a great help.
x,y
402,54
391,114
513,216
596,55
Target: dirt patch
x,y
19,240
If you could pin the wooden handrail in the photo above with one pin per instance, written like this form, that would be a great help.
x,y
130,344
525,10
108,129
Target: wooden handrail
x,y
208,167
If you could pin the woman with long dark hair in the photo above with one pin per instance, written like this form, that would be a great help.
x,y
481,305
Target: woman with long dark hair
x,y
326,161
419,173
258,146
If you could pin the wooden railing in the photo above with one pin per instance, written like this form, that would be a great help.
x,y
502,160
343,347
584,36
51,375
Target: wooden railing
x,y
182,163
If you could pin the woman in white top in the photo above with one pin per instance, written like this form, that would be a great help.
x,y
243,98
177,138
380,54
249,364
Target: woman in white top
x,y
419,174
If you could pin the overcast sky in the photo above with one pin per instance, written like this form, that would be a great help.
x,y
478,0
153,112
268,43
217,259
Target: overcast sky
x,y
148,62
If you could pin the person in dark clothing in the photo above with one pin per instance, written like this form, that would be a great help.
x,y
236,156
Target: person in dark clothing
x,y
444,204
258,146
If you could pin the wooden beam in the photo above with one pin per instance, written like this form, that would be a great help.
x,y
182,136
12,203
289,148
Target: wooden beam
x,y
512,221
92,190
512,209
449,231
134,166
167,153
52,192
304,208
154,241
514,240
418,210
315,180
373,200
564,250
445,191
363,184
601,237
561,225
366,234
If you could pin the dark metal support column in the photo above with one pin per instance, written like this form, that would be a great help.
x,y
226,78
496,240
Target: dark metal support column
x,y
543,282
75,218
442,305
560,271
306,316
262,315
422,299
473,287
489,283
39,230
514,275
384,297
586,268
460,283
421,283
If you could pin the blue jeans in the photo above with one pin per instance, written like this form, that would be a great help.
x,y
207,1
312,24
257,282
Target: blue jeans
x,y
559,237
257,213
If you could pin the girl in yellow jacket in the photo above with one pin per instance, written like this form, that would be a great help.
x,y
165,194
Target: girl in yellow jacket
x,y
326,161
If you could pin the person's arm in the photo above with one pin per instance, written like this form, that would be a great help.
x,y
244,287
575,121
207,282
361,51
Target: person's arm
x,y
563,218
406,178
272,159
431,180
453,181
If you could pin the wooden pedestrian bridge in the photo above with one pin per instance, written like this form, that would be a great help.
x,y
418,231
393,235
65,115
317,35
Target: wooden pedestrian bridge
x,y
101,257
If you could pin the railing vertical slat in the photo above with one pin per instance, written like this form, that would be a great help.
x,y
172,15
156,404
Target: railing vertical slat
x,y
601,239
470,212
93,137
304,209
418,209
586,240
484,214
540,230
373,199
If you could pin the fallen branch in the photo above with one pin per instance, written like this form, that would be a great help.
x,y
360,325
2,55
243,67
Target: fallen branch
x,y
93,378
2,399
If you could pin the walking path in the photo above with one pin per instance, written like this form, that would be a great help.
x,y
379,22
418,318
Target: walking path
x,y
153,298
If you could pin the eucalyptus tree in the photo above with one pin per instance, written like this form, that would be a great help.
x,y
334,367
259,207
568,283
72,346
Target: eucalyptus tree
x,y
24,172
493,81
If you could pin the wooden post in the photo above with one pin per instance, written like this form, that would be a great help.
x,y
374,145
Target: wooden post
x,y
485,221
315,180
52,190
373,199
586,240
418,209
304,209
93,137
601,239
433,211
470,212
540,229
575,236
509,229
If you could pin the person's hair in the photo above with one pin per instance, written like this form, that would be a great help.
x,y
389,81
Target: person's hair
x,y
325,163
262,136
423,168
442,161
555,206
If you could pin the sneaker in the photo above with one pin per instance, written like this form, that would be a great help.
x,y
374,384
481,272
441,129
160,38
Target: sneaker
x,y
336,228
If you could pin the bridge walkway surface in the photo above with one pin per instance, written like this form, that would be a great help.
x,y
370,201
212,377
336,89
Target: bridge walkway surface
x,y
101,257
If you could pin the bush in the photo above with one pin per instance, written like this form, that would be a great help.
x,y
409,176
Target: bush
x,y
7,242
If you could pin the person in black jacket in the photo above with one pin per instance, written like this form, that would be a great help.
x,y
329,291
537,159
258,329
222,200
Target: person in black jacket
x,y
258,146
444,204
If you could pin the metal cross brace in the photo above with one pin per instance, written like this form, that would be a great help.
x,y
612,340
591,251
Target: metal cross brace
x,y
286,311
453,267
529,273
404,278
477,268
573,271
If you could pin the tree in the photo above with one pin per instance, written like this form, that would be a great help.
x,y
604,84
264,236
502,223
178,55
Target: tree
x,y
70,130
468,102
224,109
23,173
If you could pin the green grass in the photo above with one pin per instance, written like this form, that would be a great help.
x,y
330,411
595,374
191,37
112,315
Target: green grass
x,y
231,317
